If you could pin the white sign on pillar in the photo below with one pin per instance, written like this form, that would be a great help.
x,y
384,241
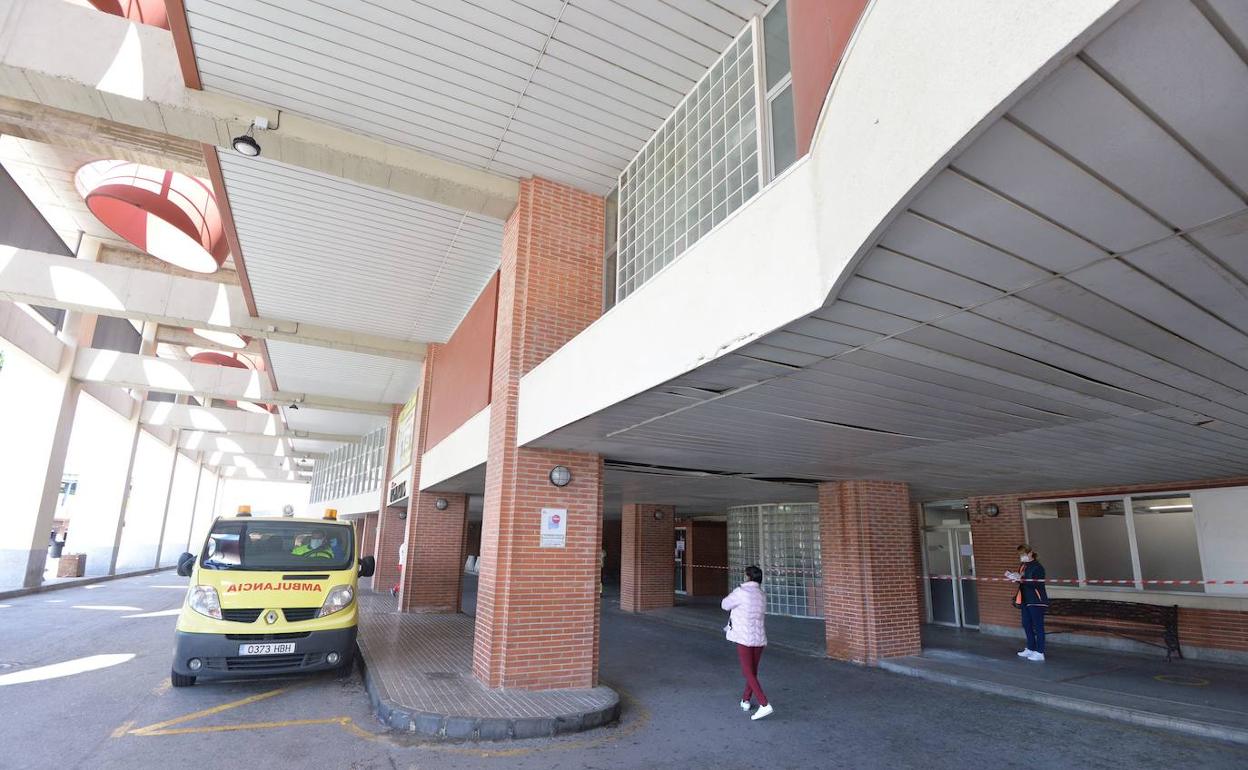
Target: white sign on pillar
x,y
554,527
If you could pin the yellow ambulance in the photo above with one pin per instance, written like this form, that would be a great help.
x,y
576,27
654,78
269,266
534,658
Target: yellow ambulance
x,y
269,596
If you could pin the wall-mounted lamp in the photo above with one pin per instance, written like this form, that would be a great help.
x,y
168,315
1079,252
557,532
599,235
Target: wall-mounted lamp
x,y
560,476
441,504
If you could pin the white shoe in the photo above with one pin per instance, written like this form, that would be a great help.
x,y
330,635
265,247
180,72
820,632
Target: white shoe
x,y
762,712
1025,653
745,705
1037,656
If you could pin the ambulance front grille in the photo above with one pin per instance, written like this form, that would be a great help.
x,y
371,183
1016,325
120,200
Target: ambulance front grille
x,y
248,615
300,613
290,662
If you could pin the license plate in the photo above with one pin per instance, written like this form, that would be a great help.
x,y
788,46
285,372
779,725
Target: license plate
x,y
267,648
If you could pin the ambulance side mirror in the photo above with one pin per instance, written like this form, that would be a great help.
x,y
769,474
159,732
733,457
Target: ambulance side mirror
x,y
368,565
186,563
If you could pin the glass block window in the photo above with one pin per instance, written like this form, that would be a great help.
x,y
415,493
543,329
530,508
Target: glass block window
x,y
698,168
783,540
350,469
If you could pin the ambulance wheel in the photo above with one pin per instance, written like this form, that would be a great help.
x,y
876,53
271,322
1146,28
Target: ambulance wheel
x,y
181,680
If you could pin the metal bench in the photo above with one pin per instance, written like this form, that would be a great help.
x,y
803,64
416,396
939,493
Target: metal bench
x,y
1078,614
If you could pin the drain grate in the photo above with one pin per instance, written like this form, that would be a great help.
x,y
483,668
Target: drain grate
x,y
442,674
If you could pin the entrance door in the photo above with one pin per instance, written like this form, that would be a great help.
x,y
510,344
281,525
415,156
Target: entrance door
x,y
680,560
951,586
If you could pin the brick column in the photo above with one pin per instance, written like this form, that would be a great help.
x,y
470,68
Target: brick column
x,y
368,534
870,565
537,608
435,538
390,530
647,557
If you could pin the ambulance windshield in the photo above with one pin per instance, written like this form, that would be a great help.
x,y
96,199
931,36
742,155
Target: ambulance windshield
x,y
278,545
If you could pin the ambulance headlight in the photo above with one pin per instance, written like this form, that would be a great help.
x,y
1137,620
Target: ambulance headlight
x,y
204,600
338,598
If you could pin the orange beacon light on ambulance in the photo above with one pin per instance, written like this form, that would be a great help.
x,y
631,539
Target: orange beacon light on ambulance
x,y
269,596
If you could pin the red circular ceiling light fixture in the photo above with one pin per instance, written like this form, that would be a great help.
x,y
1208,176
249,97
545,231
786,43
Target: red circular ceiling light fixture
x,y
170,215
151,12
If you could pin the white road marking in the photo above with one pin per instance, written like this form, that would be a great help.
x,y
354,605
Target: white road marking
x,y
159,614
55,601
94,585
3,606
180,588
112,607
66,668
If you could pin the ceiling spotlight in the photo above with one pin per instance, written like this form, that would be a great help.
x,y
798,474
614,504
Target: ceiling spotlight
x,y
246,144
294,405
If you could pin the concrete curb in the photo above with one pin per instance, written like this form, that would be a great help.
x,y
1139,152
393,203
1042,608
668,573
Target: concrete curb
x,y
469,728
1075,705
78,583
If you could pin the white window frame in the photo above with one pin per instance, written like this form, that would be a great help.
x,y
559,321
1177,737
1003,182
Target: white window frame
x,y
1129,513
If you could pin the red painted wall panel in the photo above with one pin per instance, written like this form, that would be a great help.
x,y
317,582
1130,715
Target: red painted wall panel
x,y
818,33
461,379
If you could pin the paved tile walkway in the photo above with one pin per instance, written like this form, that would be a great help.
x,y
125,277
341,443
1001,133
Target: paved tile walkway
x,y
420,665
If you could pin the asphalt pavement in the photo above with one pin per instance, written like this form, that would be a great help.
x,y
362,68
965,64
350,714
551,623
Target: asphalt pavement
x,y
84,682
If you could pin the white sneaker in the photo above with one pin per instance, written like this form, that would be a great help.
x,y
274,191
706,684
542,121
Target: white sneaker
x,y
1037,656
762,712
1025,653
745,705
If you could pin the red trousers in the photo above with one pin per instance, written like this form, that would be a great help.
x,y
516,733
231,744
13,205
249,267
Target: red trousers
x,y
749,657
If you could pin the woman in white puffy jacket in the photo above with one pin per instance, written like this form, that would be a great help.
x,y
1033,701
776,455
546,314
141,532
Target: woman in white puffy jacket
x,y
748,607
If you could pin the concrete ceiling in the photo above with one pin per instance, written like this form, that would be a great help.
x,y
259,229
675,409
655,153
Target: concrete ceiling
x,y
1065,306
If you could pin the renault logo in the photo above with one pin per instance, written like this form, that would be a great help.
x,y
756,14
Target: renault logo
x,y
271,617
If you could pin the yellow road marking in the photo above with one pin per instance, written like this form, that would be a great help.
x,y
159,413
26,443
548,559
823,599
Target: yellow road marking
x,y
163,687
244,726
209,712
120,731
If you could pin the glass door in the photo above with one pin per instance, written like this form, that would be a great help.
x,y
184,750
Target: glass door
x,y
942,598
968,596
680,560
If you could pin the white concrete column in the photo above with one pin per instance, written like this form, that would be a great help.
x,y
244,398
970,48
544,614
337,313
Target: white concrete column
x,y
43,417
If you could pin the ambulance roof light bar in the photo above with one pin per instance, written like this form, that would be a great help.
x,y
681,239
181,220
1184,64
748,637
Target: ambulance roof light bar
x,y
244,511
331,514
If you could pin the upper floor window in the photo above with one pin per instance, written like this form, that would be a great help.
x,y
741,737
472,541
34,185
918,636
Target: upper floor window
x,y
779,84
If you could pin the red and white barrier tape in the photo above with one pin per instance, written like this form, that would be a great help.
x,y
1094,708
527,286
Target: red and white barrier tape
x,y
1091,581
1069,581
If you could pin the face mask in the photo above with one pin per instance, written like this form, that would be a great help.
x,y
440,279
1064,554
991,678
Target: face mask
x,y
1025,558
317,543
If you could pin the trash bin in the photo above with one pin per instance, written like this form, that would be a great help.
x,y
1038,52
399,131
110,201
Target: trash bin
x,y
57,547
71,565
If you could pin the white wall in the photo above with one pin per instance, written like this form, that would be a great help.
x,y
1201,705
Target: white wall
x,y
205,509
145,510
264,497
1222,534
181,508
30,400
99,451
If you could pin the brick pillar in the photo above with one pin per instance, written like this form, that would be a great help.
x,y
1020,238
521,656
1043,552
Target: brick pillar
x,y
647,557
390,530
368,533
435,538
537,608
996,540
870,565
